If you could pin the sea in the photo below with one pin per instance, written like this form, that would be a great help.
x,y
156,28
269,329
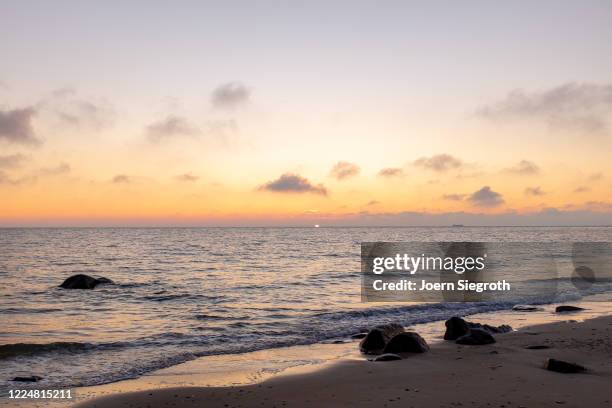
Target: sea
x,y
184,293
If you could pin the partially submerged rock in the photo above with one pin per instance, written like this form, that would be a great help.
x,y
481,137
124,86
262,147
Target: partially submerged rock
x,y
406,342
525,308
476,337
377,338
31,378
457,327
388,357
359,336
564,367
567,308
82,281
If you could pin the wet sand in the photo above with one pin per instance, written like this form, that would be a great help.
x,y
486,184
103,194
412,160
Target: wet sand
x,y
504,374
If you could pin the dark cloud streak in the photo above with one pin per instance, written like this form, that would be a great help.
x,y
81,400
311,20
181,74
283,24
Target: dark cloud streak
x,y
292,183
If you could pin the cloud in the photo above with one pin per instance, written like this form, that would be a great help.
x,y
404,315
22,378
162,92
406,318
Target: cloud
x,y
80,113
485,197
121,179
230,95
170,127
582,189
571,106
16,126
454,197
439,162
62,168
372,203
33,176
524,168
343,170
11,161
292,183
534,191
391,172
187,177
596,177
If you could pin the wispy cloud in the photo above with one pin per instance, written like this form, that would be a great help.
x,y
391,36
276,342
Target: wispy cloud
x,y
11,161
524,168
344,170
187,177
169,127
16,126
75,111
534,191
121,179
61,168
439,162
391,172
485,197
454,197
582,189
596,177
572,106
292,183
230,95
35,175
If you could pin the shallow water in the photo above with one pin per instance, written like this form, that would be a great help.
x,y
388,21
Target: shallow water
x,y
183,293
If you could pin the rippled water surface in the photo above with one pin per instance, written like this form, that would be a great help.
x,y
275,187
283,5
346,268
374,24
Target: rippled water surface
x,y
182,293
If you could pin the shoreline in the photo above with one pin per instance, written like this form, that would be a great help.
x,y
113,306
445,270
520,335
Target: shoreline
x,y
450,375
260,367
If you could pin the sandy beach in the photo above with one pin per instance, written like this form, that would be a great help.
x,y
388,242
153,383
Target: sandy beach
x,y
503,374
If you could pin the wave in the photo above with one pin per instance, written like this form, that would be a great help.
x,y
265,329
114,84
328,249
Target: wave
x,y
20,349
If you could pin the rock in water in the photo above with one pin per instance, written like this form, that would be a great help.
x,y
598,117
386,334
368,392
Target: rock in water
x,y
560,366
81,281
566,308
378,337
525,308
537,347
32,378
476,337
406,342
388,357
457,327
359,336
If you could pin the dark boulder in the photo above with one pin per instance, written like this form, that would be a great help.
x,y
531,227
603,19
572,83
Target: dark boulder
x,y
564,367
566,308
406,342
476,337
457,327
378,337
388,357
82,281
31,378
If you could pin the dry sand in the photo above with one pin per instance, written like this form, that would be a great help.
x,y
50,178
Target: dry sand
x,y
504,374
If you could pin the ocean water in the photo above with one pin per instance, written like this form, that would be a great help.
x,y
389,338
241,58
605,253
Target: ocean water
x,y
189,292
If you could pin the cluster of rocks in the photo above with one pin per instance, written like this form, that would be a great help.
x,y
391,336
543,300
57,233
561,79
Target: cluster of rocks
x,y
390,341
464,332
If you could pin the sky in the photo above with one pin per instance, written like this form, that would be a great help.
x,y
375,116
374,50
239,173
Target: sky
x,y
301,113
